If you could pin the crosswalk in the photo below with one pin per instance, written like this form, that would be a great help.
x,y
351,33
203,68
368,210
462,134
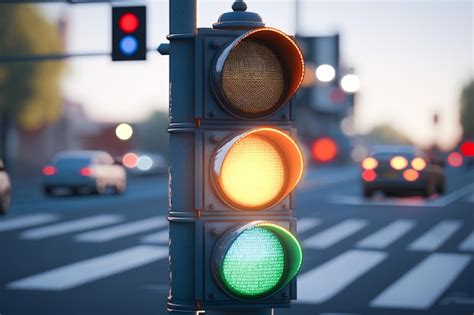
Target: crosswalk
x,y
358,248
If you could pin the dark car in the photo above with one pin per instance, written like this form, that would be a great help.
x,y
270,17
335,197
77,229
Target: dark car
x,y
79,170
4,189
401,170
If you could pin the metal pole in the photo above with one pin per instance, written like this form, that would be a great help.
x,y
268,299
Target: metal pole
x,y
182,215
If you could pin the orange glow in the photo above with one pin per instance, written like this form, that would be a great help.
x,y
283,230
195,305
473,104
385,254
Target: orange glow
x,y
369,163
130,160
49,170
257,169
369,175
410,175
418,164
324,150
455,159
398,162
85,171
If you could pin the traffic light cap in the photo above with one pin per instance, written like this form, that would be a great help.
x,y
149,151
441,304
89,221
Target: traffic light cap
x,y
239,18
257,73
256,169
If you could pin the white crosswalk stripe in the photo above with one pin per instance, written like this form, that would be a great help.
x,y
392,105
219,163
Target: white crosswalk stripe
x,y
436,236
468,243
335,234
424,284
306,224
89,270
388,235
122,230
156,238
326,281
71,226
27,221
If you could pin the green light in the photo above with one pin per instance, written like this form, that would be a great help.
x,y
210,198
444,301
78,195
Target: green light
x,y
254,264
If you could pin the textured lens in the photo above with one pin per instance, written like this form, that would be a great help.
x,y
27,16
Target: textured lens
x,y
253,172
254,263
253,78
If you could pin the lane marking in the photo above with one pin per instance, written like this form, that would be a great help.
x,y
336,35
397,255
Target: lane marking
x,y
453,196
326,281
468,243
306,224
26,221
387,235
79,273
71,226
423,284
122,230
335,234
436,236
156,238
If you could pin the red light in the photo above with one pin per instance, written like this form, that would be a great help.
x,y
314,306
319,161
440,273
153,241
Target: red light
x,y
85,171
130,160
369,175
455,159
467,148
49,170
324,149
128,23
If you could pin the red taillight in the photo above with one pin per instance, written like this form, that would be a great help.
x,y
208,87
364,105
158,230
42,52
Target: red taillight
x,y
455,159
369,175
49,170
85,171
410,175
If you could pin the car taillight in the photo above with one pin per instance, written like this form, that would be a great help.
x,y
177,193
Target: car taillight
x,y
85,171
369,175
398,162
49,170
418,163
369,163
455,159
411,175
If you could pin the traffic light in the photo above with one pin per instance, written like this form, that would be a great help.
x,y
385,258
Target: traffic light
x,y
234,159
129,33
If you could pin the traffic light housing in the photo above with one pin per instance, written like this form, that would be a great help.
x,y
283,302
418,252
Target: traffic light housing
x,y
232,200
129,33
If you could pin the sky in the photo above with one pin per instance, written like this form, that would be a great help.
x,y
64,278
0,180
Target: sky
x,y
412,57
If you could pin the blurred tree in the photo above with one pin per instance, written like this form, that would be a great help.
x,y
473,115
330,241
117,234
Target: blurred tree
x,y
386,134
29,91
467,110
153,133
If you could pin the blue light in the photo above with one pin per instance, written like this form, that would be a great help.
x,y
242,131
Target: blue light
x,y
128,45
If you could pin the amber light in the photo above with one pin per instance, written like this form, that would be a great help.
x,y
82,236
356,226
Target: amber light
x,y
369,175
369,163
398,162
418,164
49,170
257,169
410,175
324,150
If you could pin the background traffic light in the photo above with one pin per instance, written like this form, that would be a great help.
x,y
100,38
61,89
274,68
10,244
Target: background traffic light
x,y
129,33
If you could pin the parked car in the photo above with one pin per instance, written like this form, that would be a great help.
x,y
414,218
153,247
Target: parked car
x,y
401,169
5,188
94,171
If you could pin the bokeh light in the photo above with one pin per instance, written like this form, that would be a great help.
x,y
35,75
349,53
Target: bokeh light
x,y
455,159
124,131
350,83
324,150
325,73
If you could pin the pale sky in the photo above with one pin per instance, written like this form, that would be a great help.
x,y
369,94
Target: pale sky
x,y
412,57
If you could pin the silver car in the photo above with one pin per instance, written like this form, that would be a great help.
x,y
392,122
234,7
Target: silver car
x,y
5,187
79,170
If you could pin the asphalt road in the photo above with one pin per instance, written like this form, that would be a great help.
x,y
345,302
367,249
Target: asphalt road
x,y
108,254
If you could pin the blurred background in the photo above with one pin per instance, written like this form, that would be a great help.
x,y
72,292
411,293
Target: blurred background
x,y
383,79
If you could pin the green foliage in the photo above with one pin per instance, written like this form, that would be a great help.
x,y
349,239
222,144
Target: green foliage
x,y
467,110
386,134
153,133
30,90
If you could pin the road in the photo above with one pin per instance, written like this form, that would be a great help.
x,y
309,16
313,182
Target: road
x,y
108,254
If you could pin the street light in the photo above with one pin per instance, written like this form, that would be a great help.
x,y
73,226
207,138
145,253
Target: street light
x,y
325,73
350,83
124,131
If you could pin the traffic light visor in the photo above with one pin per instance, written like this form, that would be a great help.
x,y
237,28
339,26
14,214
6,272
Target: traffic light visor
x,y
257,73
256,260
256,169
